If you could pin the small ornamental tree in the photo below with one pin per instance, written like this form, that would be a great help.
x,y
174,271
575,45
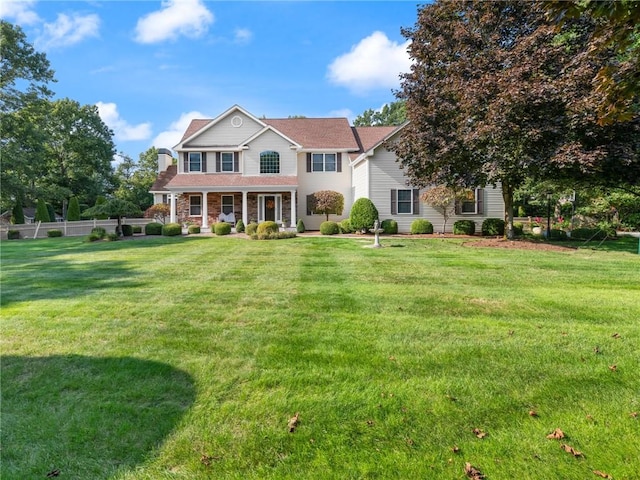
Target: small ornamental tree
x,y
42,213
17,214
328,202
73,212
159,212
113,208
363,215
443,199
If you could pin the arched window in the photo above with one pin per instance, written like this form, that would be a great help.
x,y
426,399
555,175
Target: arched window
x,y
269,162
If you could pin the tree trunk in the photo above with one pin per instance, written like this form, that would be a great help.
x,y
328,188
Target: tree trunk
x,y
507,196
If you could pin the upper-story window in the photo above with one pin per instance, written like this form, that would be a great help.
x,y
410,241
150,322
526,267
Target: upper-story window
x,y
226,161
195,161
323,162
269,162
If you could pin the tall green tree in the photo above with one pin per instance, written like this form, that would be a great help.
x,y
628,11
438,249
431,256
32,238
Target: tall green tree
x,y
392,114
42,212
17,213
136,178
73,212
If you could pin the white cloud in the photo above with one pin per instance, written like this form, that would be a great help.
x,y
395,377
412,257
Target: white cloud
x,y
243,36
172,136
69,30
176,17
20,11
375,62
122,130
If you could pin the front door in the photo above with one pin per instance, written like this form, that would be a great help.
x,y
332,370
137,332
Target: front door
x,y
270,208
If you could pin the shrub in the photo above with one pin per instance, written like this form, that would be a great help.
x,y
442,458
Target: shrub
x,y
363,215
345,226
153,228
329,228
13,234
171,229
93,237
518,229
193,229
268,227
389,227
557,234
54,233
464,227
73,212
137,229
127,230
222,228
42,213
251,229
273,236
421,226
300,226
239,226
99,231
588,234
493,227
111,237
17,214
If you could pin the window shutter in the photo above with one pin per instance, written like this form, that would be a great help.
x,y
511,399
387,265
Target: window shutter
x,y
310,204
185,163
416,201
339,162
236,161
218,167
394,202
308,161
458,209
204,162
480,200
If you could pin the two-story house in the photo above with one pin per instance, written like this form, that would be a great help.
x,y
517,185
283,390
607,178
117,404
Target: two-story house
x,y
237,166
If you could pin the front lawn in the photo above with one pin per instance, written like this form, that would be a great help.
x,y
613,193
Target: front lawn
x,y
185,358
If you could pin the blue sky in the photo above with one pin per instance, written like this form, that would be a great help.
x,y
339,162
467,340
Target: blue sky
x,y
152,66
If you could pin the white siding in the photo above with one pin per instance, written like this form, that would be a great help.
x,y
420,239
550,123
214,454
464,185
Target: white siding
x,y
360,180
224,133
310,182
273,142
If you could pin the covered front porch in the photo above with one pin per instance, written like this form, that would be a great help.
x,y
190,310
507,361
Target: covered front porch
x,y
249,205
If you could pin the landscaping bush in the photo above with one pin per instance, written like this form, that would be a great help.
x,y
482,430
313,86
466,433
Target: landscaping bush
x,y
557,234
137,229
300,226
240,226
251,229
93,237
127,230
153,228
99,231
13,234
222,228
345,226
268,227
273,236
111,237
518,229
329,228
493,227
389,227
588,234
363,215
171,229
464,227
421,226
54,233
193,229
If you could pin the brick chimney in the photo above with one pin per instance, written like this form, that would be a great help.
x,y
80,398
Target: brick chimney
x,y
165,159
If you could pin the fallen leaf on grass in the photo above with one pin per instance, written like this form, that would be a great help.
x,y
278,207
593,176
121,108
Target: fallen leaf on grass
x,y
602,474
472,472
613,368
596,350
206,459
557,434
615,335
479,433
571,450
452,398
293,422
370,423
634,414
392,358
53,473
455,449
533,413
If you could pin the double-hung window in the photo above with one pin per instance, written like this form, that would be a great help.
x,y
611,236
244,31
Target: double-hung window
x,y
226,161
405,201
195,205
195,161
227,204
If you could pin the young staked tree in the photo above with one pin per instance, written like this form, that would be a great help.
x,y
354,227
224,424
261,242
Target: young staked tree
x,y
482,101
328,202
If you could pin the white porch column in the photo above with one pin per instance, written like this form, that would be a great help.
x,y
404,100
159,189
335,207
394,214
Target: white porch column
x,y
245,208
294,221
205,211
172,205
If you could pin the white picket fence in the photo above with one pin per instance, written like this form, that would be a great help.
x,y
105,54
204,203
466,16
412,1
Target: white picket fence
x,y
69,229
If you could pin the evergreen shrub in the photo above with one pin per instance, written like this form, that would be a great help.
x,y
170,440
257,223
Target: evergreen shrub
x,y
420,226
171,229
493,227
464,227
153,228
222,228
329,228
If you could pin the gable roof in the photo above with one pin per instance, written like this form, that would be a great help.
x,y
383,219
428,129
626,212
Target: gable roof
x,y
164,178
317,133
371,138
195,125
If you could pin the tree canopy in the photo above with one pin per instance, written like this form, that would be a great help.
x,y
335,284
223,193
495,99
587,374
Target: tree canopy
x,y
136,178
392,114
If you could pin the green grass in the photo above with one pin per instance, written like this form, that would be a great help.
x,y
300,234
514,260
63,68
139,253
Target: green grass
x,y
134,359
